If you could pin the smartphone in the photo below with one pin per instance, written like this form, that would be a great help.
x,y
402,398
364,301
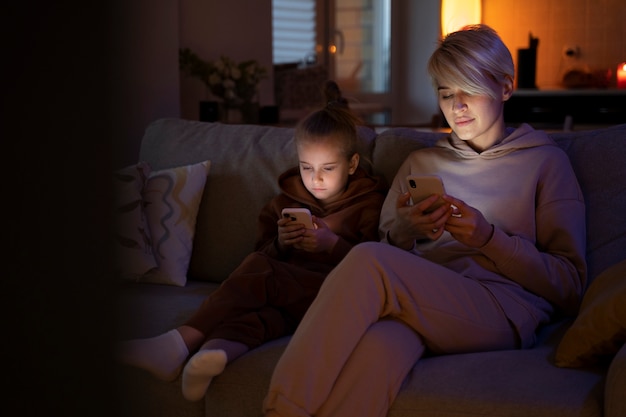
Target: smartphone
x,y
423,186
299,215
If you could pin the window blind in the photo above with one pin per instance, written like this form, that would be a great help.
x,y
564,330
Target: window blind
x,y
293,27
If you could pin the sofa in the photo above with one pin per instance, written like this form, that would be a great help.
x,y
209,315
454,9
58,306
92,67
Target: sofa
x,y
576,368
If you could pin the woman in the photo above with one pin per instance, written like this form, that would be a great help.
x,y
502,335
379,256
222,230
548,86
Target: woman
x,y
482,272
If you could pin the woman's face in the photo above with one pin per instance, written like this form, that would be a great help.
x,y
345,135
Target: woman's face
x,y
324,169
476,119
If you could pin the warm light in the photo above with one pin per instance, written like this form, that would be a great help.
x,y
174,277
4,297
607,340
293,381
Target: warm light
x,y
621,75
457,13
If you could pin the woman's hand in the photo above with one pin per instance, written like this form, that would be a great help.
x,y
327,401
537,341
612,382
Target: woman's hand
x,y
414,223
467,225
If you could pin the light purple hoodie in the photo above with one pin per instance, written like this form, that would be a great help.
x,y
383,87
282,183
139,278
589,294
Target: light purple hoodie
x,y
525,187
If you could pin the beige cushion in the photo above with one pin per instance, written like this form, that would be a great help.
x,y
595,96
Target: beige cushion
x,y
172,198
600,328
131,235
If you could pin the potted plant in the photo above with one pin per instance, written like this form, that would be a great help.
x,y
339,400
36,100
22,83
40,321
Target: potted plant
x,y
235,85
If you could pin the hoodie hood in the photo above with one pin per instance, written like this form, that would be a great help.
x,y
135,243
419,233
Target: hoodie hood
x,y
516,138
359,184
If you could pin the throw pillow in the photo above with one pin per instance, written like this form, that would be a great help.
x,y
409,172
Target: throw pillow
x,y
172,199
132,250
600,328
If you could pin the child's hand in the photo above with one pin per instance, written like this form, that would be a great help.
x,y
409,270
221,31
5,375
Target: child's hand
x,y
320,239
289,233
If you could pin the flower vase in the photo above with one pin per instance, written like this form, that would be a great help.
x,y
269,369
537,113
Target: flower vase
x,y
230,114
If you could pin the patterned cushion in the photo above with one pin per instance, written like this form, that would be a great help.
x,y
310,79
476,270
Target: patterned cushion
x,y
172,198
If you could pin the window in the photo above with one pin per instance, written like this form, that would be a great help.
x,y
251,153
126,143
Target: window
x,y
361,55
349,40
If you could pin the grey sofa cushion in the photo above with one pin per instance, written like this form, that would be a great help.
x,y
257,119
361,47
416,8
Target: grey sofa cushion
x,y
596,158
502,383
146,310
392,146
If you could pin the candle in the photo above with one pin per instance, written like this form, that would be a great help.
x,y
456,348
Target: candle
x,y
621,75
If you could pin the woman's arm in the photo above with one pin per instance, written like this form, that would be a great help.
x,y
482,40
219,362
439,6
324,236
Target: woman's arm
x,y
553,267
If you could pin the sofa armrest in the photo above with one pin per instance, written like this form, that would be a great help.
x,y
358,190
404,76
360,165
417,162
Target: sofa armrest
x,y
614,404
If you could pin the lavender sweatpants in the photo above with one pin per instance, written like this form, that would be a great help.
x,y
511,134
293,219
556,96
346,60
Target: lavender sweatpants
x,y
374,316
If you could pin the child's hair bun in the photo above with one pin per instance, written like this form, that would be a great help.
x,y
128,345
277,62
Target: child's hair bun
x,y
333,95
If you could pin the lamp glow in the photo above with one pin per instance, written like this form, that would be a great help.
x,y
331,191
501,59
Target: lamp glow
x,y
457,13
621,75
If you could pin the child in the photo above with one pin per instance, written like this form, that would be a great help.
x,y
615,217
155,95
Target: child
x,y
267,295
482,272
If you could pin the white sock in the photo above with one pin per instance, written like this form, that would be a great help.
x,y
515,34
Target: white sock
x,y
200,370
162,355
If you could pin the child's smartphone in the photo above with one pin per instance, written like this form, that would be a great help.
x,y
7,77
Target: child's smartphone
x,y
299,215
423,186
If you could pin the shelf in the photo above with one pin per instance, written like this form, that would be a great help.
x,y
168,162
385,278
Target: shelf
x,y
563,107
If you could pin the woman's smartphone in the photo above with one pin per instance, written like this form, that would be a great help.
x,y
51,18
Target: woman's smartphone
x,y
299,215
423,186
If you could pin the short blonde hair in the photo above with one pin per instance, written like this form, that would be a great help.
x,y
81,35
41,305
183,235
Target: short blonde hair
x,y
472,58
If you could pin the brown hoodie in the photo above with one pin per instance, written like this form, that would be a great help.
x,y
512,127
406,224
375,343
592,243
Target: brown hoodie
x,y
526,188
354,217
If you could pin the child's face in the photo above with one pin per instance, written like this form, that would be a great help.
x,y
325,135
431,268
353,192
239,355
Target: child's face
x,y
324,169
